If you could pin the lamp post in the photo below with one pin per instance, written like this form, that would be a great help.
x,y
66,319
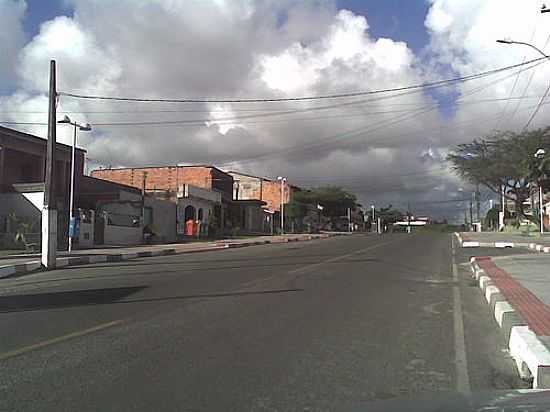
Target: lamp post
x,y
508,41
373,217
283,181
85,128
540,155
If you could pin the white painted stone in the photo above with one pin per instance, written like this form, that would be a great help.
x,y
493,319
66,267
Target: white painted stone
x,y
546,249
500,309
504,244
539,248
483,281
470,244
491,290
527,349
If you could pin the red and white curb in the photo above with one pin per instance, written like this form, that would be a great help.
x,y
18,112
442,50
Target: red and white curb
x,y
19,269
472,243
521,325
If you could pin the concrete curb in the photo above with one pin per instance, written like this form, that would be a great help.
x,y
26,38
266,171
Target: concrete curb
x,y
502,244
23,268
531,356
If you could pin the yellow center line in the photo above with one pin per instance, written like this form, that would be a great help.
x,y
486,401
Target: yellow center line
x,y
49,342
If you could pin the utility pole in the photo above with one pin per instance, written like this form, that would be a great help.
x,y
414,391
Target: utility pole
x,y
143,185
49,211
408,217
478,205
283,181
503,211
349,219
472,212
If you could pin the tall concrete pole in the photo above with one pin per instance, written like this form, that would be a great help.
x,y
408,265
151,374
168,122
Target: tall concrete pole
x,y
71,196
49,212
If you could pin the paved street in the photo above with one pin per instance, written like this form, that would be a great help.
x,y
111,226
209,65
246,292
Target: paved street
x,y
321,325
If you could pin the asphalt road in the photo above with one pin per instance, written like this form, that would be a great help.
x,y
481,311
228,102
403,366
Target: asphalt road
x,y
321,325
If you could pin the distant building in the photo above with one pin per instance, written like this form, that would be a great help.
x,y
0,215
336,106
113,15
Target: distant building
x,y
249,187
203,194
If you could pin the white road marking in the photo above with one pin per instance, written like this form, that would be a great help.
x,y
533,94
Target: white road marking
x,y
461,363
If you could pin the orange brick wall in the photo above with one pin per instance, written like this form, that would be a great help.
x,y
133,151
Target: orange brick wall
x,y
169,177
271,194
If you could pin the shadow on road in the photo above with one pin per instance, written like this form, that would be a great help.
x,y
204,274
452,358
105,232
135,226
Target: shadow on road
x,y
110,296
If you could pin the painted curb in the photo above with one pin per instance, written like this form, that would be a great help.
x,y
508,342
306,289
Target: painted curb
x,y
61,262
531,356
504,244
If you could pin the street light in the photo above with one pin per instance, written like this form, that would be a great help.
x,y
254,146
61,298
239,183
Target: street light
x,y
283,181
540,153
373,218
85,128
508,41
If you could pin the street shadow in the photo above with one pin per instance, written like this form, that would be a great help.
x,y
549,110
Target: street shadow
x,y
111,296
50,300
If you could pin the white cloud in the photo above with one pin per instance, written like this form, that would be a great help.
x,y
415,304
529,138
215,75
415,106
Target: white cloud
x,y
12,38
241,48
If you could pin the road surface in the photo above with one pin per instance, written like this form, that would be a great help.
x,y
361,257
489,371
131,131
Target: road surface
x,y
321,325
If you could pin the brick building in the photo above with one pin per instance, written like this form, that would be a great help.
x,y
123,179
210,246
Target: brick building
x,y
248,187
171,178
202,192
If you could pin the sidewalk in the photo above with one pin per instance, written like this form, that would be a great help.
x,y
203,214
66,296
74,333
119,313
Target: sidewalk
x,y
503,240
28,263
517,289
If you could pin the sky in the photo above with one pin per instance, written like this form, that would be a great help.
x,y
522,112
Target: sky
x,y
387,148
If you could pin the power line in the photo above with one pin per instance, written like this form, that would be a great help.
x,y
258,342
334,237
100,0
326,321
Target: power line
x,y
320,97
519,72
527,85
537,108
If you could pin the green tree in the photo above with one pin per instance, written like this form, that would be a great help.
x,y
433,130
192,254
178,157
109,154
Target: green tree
x,y
389,214
504,159
334,200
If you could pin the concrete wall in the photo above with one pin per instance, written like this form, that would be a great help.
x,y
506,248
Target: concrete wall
x,y
246,187
254,221
164,218
121,235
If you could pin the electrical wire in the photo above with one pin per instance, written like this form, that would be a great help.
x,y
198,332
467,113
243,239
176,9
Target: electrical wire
x,y
320,97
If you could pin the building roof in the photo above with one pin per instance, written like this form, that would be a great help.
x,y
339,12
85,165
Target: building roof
x,y
161,167
232,172
91,184
245,202
16,134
